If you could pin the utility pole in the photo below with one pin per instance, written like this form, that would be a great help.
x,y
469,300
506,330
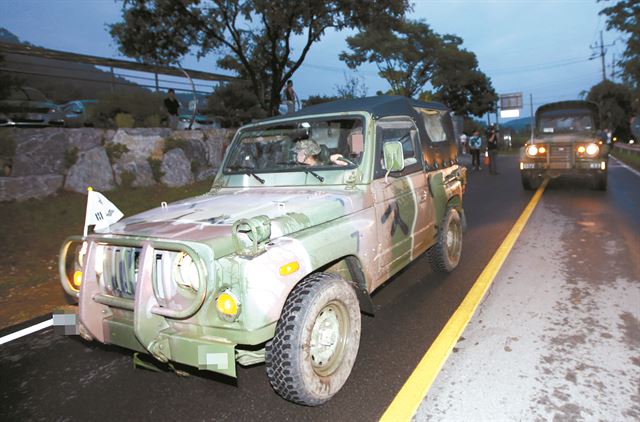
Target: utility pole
x,y
603,52
532,122
613,67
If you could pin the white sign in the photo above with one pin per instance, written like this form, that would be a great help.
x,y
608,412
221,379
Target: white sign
x,y
507,114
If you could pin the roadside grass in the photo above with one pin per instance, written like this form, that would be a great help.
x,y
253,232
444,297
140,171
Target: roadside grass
x,y
627,157
32,233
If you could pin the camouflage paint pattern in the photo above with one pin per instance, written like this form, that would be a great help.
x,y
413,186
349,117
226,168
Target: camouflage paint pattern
x,y
382,224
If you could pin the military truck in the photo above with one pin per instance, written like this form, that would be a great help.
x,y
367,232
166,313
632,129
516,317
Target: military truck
x,y
566,143
308,215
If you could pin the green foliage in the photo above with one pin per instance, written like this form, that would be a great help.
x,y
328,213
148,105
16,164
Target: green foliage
x,y
127,178
624,16
153,120
614,101
318,99
124,120
8,81
115,151
7,144
253,38
156,171
354,87
195,166
410,55
235,104
173,143
143,107
70,157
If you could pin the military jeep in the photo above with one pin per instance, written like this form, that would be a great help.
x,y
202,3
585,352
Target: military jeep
x,y
308,215
567,143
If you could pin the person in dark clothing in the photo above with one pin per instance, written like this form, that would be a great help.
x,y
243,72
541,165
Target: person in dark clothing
x,y
475,143
291,98
172,105
492,149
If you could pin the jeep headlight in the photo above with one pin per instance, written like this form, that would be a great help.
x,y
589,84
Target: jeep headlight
x,y
532,150
185,272
592,150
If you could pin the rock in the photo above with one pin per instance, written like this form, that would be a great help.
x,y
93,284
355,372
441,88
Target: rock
x,y
40,152
176,168
85,138
138,168
142,143
28,187
91,169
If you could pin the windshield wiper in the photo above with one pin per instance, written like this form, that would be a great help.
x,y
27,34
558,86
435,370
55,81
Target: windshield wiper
x,y
258,178
314,174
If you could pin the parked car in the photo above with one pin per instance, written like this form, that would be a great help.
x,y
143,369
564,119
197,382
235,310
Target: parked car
x,y
567,142
29,107
76,113
199,122
308,214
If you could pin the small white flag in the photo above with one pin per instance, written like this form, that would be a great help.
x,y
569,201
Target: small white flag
x,y
101,212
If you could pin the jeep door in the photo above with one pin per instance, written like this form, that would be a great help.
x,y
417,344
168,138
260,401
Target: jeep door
x,y
401,198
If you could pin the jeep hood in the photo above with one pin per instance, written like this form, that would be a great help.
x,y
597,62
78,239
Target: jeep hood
x,y
209,218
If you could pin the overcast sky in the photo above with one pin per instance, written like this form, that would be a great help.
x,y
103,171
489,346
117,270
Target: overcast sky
x,y
539,47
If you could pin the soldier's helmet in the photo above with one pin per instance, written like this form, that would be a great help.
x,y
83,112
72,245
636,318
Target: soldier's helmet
x,y
309,147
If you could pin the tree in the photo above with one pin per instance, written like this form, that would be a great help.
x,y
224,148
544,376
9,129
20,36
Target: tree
x,y
625,17
410,55
614,101
234,104
404,52
354,87
252,37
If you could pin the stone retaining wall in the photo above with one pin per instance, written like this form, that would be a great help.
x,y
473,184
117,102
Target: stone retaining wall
x,y
50,159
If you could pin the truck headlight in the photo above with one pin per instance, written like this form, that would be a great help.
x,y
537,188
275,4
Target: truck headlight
x,y
535,150
228,306
592,150
185,272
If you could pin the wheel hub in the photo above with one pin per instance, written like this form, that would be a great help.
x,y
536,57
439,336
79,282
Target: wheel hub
x,y
327,339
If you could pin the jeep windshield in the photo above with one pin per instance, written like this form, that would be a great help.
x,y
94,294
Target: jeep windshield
x,y
565,121
301,145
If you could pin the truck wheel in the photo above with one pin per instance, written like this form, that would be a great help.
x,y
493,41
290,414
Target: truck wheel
x,y
600,181
445,254
316,341
526,181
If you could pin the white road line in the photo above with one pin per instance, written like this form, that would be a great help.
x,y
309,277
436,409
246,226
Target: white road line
x,y
26,331
632,170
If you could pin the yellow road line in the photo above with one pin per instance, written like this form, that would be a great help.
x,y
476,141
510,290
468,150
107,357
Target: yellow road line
x,y
408,399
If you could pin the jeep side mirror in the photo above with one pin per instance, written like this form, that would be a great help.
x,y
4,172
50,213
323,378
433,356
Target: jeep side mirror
x,y
393,156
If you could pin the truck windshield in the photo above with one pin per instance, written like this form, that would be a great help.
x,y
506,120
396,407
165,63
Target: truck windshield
x,y
326,144
565,121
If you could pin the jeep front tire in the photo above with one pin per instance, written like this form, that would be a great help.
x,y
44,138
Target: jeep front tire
x,y
316,341
444,256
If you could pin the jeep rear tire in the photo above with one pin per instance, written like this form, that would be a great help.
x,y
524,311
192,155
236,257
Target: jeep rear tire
x,y
316,341
444,256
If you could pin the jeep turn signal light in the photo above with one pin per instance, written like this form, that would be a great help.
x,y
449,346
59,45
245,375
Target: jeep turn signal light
x,y
77,280
581,149
227,306
289,268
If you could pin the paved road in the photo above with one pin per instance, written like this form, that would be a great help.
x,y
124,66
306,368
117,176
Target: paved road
x,y
56,378
558,334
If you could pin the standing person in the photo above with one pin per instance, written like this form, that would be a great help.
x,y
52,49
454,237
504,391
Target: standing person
x,y
475,143
492,149
290,97
172,105
463,143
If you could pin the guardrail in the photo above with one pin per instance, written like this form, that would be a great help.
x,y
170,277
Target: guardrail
x,y
630,149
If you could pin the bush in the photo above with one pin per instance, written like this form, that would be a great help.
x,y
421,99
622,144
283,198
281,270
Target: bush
x,y
145,108
124,120
70,157
155,165
115,151
7,144
173,143
127,178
